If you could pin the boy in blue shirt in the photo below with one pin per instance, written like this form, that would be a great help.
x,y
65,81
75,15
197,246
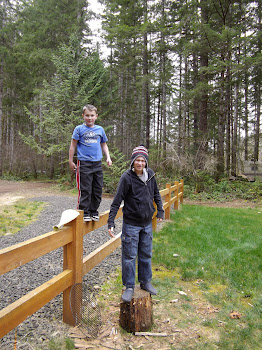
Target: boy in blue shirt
x,y
90,141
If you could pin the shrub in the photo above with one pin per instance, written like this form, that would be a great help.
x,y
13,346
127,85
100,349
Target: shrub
x,y
113,173
204,187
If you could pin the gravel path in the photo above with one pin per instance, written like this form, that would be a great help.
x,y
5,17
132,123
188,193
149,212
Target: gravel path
x,y
36,331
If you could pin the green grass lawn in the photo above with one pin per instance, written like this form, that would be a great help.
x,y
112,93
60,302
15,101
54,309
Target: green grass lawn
x,y
16,216
219,251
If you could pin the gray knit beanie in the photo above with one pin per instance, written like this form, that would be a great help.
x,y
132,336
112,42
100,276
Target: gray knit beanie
x,y
139,151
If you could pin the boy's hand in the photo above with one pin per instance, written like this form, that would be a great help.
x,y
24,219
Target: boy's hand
x,y
110,231
159,219
109,161
72,166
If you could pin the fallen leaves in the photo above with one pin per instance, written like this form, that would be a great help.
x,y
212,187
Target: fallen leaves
x,y
235,315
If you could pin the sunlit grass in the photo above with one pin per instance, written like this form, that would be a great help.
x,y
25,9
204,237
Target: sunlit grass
x,y
14,217
221,249
61,344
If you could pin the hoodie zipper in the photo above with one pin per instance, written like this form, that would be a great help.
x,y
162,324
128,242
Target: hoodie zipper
x,y
149,179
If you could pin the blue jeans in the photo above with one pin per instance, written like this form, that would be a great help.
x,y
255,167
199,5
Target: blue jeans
x,y
136,242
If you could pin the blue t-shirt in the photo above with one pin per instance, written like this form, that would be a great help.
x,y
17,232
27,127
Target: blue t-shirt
x,y
89,140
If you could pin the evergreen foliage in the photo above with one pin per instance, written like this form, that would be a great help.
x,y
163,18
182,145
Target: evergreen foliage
x,y
58,105
112,174
182,77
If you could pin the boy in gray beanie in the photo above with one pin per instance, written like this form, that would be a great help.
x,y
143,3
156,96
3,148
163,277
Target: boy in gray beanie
x,y
138,189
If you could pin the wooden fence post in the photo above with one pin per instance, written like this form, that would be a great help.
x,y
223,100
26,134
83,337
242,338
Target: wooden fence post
x,y
167,199
154,219
182,191
176,195
73,260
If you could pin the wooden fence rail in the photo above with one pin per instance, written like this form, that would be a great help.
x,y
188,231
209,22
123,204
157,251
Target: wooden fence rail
x,y
70,237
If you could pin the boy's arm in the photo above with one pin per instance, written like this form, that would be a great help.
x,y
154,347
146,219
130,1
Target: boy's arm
x,y
106,153
71,154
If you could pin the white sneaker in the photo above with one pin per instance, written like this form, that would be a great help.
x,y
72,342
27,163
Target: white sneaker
x,y
95,217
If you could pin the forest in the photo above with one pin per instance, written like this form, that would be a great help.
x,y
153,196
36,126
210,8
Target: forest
x,y
181,77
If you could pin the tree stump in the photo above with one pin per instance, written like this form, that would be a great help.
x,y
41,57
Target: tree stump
x,y
137,315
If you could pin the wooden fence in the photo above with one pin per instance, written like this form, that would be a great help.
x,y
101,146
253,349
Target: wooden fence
x,y
70,237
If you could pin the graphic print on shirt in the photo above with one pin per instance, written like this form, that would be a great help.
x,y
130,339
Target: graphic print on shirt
x,y
90,137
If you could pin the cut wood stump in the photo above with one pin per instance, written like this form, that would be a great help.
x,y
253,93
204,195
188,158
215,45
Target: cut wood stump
x,y
137,315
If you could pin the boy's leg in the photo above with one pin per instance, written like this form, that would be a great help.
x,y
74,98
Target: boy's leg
x,y
129,238
145,255
97,187
84,186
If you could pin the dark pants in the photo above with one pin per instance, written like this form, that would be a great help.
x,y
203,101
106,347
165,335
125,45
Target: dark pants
x,y
136,243
90,185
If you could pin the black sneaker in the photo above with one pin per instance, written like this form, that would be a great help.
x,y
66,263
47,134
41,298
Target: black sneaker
x,y
87,218
95,217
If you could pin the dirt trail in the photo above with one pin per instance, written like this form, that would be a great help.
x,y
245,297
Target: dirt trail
x,y
11,191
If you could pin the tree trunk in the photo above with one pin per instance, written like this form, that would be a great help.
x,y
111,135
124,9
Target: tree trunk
x,y
1,116
234,136
246,116
137,315
229,121
258,89
185,108
203,139
221,131
179,143
257,124
159,125
195,108
145,95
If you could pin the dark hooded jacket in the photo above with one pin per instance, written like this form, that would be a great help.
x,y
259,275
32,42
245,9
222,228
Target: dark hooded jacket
x,y
138,199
